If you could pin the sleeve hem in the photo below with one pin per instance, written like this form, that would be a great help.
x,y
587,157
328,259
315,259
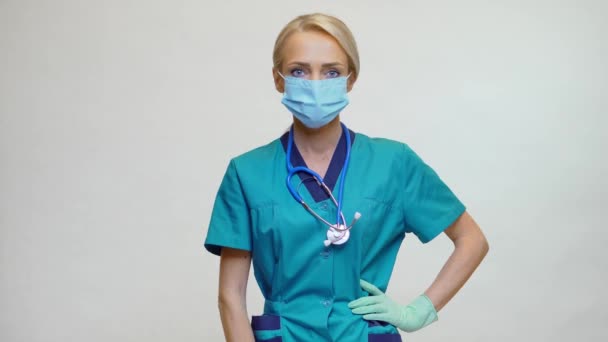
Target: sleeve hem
x,y
444,223
216,248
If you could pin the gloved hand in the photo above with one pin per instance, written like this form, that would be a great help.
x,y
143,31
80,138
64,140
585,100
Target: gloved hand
x,y
379,306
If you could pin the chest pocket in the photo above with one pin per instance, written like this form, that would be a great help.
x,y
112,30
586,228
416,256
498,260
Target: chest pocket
x,y
379,221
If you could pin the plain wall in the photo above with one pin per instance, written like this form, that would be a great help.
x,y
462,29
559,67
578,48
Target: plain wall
x,y
118,119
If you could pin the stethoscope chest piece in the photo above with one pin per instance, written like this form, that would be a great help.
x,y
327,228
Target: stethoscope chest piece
x,y
337,236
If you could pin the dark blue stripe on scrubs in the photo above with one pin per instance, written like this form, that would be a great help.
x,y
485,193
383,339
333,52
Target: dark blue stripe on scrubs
x,y
266,322
333,172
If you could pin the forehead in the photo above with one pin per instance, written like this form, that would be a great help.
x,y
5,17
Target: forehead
x,y
313,46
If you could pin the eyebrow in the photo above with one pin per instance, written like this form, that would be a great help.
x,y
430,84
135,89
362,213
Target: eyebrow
x,y
324,65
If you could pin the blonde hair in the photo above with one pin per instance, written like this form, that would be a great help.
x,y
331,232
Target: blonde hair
x,y
323,23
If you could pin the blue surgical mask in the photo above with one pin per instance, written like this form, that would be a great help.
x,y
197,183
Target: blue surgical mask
x,y
315,102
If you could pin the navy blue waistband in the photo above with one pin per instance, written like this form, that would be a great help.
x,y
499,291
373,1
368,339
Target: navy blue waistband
x,y
266,322
273,322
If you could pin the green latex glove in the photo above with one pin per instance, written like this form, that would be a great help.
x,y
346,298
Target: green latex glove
x,y
380,307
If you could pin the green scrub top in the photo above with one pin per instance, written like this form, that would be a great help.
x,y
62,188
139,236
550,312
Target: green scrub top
x,y
306,285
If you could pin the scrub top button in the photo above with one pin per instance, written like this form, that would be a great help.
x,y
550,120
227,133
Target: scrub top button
x,y
324,206
326,302
325,254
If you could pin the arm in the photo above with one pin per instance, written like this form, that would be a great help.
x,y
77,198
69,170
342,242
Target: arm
x,y
234,273
471,247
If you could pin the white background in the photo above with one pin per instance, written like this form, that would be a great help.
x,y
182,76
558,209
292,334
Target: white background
x,y
118,119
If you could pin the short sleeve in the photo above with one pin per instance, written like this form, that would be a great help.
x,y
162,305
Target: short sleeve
x,y
230,222
429,206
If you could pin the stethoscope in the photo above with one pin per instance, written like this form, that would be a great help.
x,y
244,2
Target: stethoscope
x,y
337,233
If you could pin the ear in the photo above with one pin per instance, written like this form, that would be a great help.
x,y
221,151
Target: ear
x,y
279,82
351,82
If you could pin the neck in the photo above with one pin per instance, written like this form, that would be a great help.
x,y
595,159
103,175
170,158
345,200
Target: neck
x,y
317,140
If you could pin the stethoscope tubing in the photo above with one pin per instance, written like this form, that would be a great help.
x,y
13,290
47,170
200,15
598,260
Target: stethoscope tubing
x,y
291,171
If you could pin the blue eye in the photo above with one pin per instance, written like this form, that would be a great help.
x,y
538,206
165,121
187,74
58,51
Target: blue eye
x,y
297,72
333,74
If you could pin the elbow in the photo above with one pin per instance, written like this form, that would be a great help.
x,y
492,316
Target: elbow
x,y
230,299
481,244
222,300
225,298
474,243
485,246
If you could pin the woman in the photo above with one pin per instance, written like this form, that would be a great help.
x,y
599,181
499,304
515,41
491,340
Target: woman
x,y
323,257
